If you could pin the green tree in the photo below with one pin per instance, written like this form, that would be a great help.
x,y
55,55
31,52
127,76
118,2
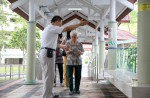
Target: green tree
x,y
3,22
4,38
132,26
3,3
19,38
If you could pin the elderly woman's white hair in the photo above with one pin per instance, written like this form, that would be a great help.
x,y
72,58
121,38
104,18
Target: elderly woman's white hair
x,y
73,33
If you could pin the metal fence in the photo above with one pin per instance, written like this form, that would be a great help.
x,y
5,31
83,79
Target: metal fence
x,y
11,71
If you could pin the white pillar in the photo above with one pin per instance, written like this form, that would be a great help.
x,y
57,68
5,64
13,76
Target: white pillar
x,y
101,48
30,77
113,10
93,55
143,42
31,10
97,54
112,40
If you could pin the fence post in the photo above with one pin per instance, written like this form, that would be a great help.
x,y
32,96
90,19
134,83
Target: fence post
x,y
10,72
19,71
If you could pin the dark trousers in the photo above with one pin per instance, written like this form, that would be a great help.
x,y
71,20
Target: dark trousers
x,y
60,68
78,69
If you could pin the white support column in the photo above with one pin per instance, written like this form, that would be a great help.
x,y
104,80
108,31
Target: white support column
x,y
113,10
101,48
31,10
94,61
143,42
92,65
97,54
30,77
112,40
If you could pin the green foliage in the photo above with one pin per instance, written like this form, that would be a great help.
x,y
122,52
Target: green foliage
x,y
3,18
132,26
19,38
3,2
132,59
127,58
38,45
4,38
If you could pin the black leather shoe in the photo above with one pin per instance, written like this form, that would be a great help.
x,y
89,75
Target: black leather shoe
x,y
78,92
56,96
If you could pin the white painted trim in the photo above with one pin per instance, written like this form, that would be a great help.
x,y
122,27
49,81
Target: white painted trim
x,y
40,11
126,3
84,2
106,13
91,17
85,18
54,7
17,4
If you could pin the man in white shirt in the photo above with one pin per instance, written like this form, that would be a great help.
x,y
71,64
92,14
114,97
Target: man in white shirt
x,y
49,38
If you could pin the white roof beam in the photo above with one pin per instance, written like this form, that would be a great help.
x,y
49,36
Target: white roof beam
x,y
103,17
75,2
55,2
66,17
17,4
54,7
100,2
126,3
40,11
106,13
85,18
38,17
90,6
72,6
90,17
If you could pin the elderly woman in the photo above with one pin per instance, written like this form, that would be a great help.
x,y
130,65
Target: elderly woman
x,y
74,50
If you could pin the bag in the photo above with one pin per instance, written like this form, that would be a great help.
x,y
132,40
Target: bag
x,y
50,52
64,53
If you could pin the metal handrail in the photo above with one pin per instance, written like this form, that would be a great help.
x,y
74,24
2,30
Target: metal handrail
x,y
10,72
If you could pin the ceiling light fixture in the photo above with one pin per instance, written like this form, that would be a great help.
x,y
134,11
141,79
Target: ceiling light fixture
x,y
75,9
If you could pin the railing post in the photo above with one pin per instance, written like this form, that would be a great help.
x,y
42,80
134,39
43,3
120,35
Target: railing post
x,y
10,72
5,72
97,66
19,71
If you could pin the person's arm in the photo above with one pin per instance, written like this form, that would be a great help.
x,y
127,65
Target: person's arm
x,y
68,51
80,52
61,46
72,27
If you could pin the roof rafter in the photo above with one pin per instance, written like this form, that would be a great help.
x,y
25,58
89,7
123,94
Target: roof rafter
x,y
90,6
16,4
55,2
77,17
54,7
126,3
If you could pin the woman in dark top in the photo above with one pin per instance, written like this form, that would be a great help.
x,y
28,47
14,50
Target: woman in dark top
x,y
59,63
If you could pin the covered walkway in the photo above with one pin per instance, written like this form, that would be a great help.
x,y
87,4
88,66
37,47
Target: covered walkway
x,y
103,16
89,89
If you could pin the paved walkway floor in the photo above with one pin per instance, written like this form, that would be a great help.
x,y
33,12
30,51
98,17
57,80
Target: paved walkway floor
x,y
88,89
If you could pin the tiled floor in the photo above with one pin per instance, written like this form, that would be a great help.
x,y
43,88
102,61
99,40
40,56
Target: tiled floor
x,y
89,89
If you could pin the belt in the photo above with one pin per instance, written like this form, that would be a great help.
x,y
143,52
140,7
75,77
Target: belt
x,y
47,48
